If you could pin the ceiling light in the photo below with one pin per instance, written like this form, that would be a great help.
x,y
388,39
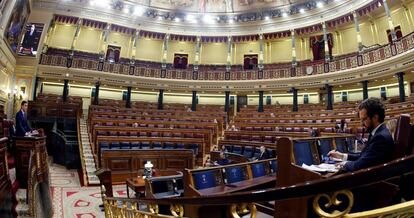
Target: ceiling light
x,y
160,18
208,19
177,19
126,10
138,11
189,17
284,14
319,4
231,20
302,10
267,17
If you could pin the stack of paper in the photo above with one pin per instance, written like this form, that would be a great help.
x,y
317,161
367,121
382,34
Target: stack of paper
x,y
321,168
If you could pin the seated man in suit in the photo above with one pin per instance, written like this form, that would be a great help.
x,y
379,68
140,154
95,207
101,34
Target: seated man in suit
x,y
380,145
22,127
223,160
264,154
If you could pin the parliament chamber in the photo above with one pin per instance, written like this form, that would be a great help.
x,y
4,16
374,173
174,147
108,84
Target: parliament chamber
x,y
206,109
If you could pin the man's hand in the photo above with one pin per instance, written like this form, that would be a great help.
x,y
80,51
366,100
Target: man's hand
x,y
336,154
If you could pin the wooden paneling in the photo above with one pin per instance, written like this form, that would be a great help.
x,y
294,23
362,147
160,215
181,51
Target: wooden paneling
x,y
130,163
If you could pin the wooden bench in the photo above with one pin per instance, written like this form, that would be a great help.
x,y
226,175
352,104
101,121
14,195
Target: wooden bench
x,y
128,144
247,149
125,164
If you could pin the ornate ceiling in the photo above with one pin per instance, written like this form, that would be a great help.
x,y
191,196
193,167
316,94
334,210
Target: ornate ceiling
x,y
207,17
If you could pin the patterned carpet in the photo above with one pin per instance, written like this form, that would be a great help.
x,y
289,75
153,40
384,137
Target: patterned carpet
x,y
72,200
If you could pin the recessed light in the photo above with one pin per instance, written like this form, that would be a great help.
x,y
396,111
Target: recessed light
x,y
267,17
319,4
302,10
177,19
284,14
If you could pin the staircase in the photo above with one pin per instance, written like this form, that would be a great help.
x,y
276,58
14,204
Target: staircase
x,y
88,160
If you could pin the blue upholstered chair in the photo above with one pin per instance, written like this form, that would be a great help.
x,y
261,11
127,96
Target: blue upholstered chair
x,y
135,145
237,149
256,152
157,145
303,152
145,145
258,169
180,146
125,145
103,145
341,145
235,174
115,145
325,145
229,148
204,179
248,151
272,153
169,145
195,148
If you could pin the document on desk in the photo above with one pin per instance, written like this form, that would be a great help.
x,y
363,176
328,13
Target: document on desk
x,y
321,168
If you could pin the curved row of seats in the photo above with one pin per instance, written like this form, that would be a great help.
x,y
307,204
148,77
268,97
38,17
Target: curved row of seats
x,y
148,145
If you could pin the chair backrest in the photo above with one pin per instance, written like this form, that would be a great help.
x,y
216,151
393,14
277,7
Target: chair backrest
x,y
205,179
341,145
304,153
236,174
248,151
258,170
325,145
237,149
402,136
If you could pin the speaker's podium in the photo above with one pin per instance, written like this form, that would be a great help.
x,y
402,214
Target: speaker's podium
x,y
23,148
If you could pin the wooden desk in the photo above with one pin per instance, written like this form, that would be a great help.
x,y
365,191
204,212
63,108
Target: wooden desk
x,y
25,145
137,184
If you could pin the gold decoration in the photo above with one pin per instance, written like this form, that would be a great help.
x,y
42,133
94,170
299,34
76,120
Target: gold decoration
x,y
237,209
402,210
333,200
153,208
177,210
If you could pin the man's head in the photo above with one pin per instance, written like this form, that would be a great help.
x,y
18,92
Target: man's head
x,y
24,106
222,156
371,113
262,149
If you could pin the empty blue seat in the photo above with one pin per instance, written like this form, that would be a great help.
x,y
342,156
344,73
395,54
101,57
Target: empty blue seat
x,y
235,174
169,145
325,145
180,146
303,153
248,151
135,144
237,149
145,145
341,145
272,153
204,179
157,145
229,148
115,145
103,145
258,169
195,148
125,145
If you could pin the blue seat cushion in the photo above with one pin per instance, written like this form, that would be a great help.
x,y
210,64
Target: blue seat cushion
x,y
145,145
125,145
135,144
157,145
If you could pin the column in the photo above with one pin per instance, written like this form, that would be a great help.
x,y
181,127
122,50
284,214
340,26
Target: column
x,y
227,102
358,31
197,53
194,101
46,40
96,97
128,97
105,35
389,18
165,51
365,89
295,99
161,99
36,84
76,36
134,46
260,109
261,51
329,97
292,33
65,90
400,77
325,39
228,63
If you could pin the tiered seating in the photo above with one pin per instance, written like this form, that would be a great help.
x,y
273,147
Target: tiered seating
x,y
53,106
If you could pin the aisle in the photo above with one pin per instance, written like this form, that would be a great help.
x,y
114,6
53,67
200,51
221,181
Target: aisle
x,y
70,200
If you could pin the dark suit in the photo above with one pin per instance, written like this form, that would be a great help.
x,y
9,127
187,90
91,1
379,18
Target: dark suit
x,y
21,124
264,155
378,149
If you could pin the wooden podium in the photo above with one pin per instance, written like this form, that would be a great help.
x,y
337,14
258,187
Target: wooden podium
x,y
23,147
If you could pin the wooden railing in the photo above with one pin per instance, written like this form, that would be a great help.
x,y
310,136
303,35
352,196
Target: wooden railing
x,y
384,52
328,189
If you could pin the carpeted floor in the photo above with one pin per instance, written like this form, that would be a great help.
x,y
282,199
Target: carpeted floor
x,y
72,200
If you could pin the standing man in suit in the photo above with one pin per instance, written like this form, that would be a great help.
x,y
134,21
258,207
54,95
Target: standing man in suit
x,y
380,145
22,127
